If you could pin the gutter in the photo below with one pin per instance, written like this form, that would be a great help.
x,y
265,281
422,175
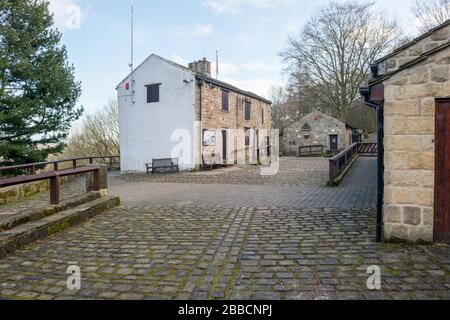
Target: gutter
x,y
365,92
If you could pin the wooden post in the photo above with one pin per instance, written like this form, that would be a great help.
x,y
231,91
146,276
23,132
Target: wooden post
x,y
55,166
96,183
54,190
98,179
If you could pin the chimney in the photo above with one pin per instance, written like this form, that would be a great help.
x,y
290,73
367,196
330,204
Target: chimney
x,y
201,66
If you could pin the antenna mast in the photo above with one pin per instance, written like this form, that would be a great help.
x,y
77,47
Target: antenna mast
x,y
132,53
217,64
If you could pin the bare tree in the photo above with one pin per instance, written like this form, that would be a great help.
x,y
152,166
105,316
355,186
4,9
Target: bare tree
x,y
98,134
330,58
431,13
286,110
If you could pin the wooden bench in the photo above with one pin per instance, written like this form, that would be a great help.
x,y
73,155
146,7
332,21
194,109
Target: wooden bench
x,y
164,164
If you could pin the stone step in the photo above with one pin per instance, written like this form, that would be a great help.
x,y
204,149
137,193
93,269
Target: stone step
x,y
40,213
24,234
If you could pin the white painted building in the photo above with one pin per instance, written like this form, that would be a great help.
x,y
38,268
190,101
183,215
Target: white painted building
x,y
167,103
146,128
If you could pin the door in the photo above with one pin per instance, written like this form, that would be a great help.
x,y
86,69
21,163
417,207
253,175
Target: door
x,y
224,146
334,142
442,174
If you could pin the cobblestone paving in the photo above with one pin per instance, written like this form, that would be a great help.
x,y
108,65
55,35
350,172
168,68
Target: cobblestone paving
x,y
293,172
68,190
233,188
164,252
242,237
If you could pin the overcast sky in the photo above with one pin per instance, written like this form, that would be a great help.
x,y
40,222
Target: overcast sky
x,y
249,34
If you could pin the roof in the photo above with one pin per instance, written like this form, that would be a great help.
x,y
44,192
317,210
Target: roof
x,y
413,42
424,56
202,77
230,87
148,58
324,114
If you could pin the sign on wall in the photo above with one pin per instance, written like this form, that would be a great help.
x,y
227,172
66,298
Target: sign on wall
x,y
209,138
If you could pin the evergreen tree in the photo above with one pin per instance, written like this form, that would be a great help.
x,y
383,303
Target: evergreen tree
x,y
38,91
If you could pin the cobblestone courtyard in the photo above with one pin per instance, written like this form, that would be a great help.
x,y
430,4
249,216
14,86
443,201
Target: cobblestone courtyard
x,y
230,234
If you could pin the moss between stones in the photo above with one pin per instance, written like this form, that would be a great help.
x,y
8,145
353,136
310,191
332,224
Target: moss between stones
x,y
54,225
58,227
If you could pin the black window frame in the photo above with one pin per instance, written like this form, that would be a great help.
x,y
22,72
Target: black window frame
x,y
248,110
262,115
225,100
153,92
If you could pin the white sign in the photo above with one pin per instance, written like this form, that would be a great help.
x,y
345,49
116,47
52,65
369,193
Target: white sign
x,y
209,138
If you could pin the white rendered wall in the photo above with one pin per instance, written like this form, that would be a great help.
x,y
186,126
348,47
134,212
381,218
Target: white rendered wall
x,y
146,129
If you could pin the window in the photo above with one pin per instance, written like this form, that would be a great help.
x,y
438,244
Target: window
x,y
225,103
248,110
153,92
247,136
262,115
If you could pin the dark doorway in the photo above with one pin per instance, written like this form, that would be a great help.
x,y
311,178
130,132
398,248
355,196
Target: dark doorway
x,y
224,146
334,142
442,174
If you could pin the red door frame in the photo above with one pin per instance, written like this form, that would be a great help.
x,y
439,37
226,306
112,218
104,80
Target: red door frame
x,y
437,237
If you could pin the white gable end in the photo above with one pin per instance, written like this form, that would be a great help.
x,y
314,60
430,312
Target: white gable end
x,y
146,129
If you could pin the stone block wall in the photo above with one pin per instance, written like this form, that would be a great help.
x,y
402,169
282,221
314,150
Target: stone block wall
x,y
322,126
16,193
233,120
405,55
409,111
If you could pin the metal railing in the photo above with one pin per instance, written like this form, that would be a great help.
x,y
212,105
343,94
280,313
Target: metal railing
x,y
33,168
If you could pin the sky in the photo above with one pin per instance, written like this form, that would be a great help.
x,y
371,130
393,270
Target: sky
x,y
249,34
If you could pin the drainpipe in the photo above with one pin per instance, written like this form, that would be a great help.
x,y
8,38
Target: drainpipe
x,y
200,86
365,92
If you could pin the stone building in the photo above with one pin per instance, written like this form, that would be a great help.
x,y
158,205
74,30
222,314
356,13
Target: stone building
x,y
411,90
167,110
317,129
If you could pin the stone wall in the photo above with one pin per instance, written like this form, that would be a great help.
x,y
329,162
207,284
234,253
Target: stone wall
x,y
16,193
405,55
322,126
409,112
233,120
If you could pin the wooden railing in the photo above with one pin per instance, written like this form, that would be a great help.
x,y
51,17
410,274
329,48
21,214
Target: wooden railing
x,y
309,151
54,177
340,162
74,163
